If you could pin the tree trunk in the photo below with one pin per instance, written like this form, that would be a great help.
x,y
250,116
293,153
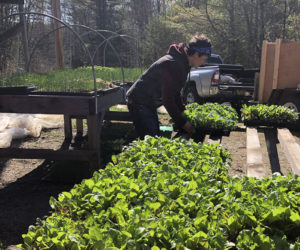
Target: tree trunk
x,y
58,35
101,6
232,39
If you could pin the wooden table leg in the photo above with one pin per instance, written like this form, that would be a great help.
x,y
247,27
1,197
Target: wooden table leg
x,y
79,126
94,132
68,127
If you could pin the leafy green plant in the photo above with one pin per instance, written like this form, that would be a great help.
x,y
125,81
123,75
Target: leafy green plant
x,y
172,194
211,116
273,114
80,79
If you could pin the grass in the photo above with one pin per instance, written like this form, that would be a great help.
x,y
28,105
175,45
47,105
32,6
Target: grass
x,y
164,118
80,79
116,108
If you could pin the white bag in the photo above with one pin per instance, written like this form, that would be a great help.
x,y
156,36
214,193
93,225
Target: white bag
x,y
18,126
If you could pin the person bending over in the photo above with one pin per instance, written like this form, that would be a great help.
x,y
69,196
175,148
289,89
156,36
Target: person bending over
x,y
161,84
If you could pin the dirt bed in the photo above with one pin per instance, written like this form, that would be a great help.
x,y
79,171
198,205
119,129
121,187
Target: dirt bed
x,y
236,145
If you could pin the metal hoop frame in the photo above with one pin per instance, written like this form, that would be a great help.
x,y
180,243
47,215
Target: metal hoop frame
x,y
79,37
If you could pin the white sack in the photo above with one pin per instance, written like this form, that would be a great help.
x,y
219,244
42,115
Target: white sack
x,y
18,126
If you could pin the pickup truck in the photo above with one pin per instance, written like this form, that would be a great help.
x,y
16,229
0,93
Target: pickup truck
x,y
218,82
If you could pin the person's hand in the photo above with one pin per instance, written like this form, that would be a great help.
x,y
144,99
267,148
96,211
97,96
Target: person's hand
x,y
188,127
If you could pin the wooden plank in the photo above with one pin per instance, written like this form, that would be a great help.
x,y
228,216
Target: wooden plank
x,y
271,142
266,72
277,63
117,116
288,73
59,104
68,126
49,154
255,166
35,104
262,74
269,73
279,67
291,149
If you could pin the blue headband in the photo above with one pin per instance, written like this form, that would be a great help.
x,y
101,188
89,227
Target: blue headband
x,y
206,50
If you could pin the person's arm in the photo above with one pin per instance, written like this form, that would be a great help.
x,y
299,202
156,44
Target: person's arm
x,y
171,87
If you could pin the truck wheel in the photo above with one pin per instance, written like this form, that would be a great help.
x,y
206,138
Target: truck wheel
x,y
291,102
191,95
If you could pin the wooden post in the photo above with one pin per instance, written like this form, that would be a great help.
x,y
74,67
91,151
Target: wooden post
x,y
276,63
79,126
68,127
58,35
255,166
266,71
94,131
262,74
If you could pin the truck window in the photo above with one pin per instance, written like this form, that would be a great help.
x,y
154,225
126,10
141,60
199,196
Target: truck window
x,y
214,60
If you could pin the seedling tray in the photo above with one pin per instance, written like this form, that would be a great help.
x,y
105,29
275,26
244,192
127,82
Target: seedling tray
x,y
219,132
275,124
18,90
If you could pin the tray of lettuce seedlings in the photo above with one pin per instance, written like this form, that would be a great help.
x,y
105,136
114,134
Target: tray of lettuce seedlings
x,y
265,115
212,118
171,194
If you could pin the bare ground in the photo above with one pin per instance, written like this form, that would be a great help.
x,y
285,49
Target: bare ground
x,y
236,145
24,195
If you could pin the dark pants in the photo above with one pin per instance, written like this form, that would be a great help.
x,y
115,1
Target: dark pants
x,y
144,119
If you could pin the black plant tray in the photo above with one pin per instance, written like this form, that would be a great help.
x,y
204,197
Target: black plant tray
x,y
199,135
17,90
257,123
100,92
215,132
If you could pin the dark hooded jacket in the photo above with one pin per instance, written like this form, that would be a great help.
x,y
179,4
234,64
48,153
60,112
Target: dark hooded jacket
x,y
162,82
